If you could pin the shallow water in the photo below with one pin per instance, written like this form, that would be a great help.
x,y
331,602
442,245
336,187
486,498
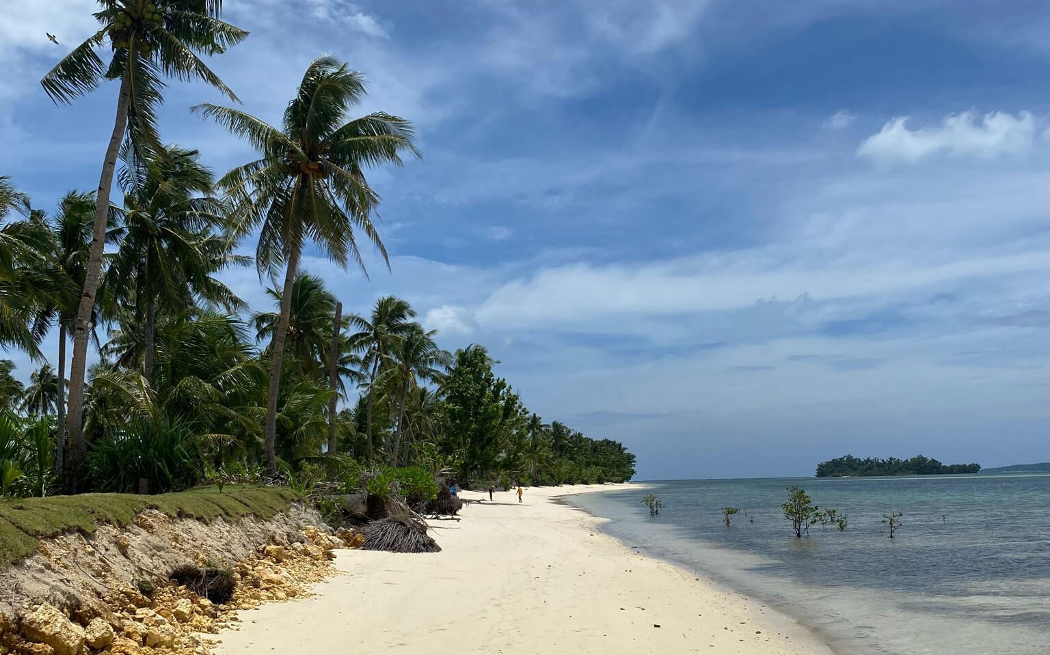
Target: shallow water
x,y
968,573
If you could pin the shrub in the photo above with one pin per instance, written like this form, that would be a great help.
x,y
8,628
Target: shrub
x,y
653,503
161,452
415,483
727,514
800,510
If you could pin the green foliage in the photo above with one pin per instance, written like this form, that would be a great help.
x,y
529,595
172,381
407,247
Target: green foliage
x,y
728,513
842,521
162,452
800,510
25,455
892,521
653,503
414,483
918,465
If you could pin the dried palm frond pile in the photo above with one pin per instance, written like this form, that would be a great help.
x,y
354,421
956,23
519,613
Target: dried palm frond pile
x,y
446,504
216,585
399,534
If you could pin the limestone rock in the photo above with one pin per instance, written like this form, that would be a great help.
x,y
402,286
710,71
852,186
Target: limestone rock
x,y
183,610
49,626
160,636
276,553
99,634
351,538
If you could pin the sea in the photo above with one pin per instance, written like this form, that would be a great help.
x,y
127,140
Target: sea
x,y
967,573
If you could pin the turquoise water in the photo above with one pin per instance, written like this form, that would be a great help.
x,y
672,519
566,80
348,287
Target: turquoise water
x,y
968,573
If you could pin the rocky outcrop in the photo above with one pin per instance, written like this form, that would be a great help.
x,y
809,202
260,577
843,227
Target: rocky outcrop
x,y
84,593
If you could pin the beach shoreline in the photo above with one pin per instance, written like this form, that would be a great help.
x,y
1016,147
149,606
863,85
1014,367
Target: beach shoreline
x,y
536,577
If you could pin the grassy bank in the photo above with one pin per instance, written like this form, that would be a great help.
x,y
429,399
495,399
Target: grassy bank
x,y
24,522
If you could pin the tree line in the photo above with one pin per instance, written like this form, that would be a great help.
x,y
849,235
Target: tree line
x,y
918,465
189,382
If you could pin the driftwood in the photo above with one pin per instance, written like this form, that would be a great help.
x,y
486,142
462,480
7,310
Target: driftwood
x,y
216,585
399,534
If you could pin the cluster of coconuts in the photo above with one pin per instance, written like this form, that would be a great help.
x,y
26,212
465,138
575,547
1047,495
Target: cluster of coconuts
x,y
144,14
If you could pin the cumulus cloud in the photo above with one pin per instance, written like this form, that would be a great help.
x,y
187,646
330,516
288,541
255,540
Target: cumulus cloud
x,y
450,320
958,135
840,120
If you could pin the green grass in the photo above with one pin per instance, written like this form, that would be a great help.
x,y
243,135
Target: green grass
x,y
24,522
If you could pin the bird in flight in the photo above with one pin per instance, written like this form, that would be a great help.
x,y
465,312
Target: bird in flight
x,y
51,37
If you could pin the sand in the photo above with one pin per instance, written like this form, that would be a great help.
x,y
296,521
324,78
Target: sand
x,y
531,578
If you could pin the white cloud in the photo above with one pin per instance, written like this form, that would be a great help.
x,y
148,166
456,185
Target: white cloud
x,y
840,120
959,135
498,232
450,320
348,14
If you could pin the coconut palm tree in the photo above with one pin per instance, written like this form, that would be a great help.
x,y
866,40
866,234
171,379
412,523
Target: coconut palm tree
x,y
415,356
539,444
70,230
25,252
389,322
149,39
41,396
11,389
169,250
309,185
309,324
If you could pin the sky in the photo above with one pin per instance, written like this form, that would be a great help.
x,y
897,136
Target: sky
x,y
742,238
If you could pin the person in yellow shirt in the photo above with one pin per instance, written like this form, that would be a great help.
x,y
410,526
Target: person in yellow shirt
x,y
520,491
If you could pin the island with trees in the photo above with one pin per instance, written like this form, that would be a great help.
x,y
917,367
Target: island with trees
x,y
850,466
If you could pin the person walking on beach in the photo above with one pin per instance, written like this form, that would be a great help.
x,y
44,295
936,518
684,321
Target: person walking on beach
x,y
520,491
491,489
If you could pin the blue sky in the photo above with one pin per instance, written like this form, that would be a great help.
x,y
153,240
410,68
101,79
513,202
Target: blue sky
x,y
740,237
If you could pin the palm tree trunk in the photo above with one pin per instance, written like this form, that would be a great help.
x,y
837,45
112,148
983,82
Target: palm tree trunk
x,y
60,442
151,321
277,355
333,381
396,450
368,411
81,330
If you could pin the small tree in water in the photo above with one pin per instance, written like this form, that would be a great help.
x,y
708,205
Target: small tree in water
x,y
727,514
893,521
800,510
653,503
842,521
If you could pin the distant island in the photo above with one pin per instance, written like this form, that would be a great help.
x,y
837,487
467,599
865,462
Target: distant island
x,y
1042,467
919,465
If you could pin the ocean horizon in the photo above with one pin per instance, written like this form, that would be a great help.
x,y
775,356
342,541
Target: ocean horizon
x,y
967,573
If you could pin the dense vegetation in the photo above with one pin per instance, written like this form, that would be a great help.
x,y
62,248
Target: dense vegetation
x,y
918,465
193,385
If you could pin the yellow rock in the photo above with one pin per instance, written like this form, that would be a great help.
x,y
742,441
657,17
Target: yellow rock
x,y
49,626
99,634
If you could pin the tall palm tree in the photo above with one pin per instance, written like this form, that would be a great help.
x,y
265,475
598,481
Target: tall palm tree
x,y
539,443
389,322
167,255
70,230
41,396
309,324
415,357
148,40
309,184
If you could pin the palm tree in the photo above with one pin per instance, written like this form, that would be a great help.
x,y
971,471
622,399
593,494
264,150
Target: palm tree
x,y
415,356
11,389
70,232
539,443
309,324
25,251
333,379
41,396
377,336
169,250
148,39
309,184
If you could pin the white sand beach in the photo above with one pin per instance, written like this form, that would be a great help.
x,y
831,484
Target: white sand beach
x,y
529,578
